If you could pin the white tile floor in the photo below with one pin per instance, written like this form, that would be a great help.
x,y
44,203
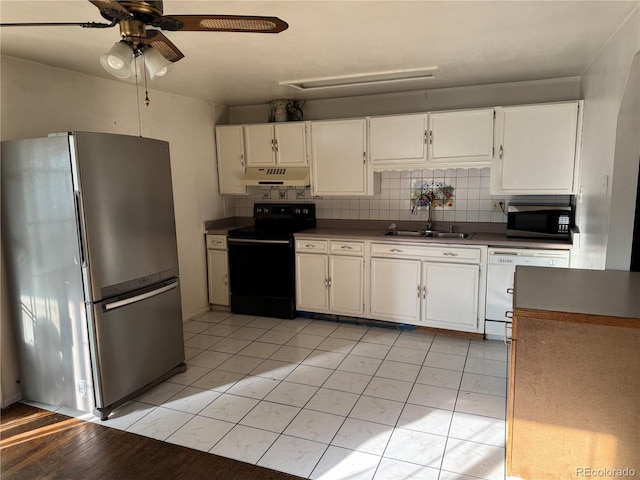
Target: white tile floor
x,y
328,400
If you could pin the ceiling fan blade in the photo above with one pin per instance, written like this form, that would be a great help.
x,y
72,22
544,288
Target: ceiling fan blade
x,y
222,23
111,10
162,44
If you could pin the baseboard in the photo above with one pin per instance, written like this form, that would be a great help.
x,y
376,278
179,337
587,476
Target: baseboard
x,y
11,400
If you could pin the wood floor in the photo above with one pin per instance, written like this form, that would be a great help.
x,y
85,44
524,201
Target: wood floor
x,y
38,444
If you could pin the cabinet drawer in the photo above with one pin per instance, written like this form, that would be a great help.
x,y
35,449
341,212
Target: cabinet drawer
x,y
217,242
346,247
427,252
309,245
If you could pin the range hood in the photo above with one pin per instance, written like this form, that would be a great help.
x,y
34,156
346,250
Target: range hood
x,y
286,176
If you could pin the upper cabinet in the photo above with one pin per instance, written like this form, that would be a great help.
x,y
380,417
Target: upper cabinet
x,y
230,151
398,141
461,138
455,139
282,144
339,164
537,149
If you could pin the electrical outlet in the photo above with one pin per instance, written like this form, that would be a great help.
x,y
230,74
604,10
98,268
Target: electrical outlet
x,y
498,205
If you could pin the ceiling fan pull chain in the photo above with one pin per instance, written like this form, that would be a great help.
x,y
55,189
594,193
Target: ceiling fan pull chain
x,y
146,91
135,67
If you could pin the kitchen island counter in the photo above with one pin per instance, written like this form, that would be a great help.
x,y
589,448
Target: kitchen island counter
x,y
596,293
575,374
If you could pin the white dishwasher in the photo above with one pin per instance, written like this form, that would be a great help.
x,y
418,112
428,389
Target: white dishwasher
x,y
502,264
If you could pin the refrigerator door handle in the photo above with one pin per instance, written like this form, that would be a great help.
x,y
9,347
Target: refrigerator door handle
x,y
138,298
82,241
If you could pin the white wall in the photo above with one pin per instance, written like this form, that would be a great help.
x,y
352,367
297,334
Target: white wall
x,y
38,99
602,88
514,93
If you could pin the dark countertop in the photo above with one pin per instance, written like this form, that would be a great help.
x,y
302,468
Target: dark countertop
x,y
609,293
492,235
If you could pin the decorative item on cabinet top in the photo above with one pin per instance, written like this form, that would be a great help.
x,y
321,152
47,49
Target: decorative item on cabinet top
x,y
285,110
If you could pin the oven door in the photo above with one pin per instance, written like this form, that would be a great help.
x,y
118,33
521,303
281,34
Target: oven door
x,y
261,277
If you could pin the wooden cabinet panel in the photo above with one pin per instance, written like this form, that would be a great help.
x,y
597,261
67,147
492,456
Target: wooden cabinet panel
x,y
218,269
338,158
537,149
230,151
461,137
396,289
398,142
574,398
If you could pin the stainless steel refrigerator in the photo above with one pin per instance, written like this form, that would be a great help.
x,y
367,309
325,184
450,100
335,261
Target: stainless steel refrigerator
x,y
88,231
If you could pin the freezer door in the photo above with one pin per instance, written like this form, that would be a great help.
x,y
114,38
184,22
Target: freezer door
x,y
126,211
136,340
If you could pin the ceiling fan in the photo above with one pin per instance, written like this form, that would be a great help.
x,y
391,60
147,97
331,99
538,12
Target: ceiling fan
x,y
133,18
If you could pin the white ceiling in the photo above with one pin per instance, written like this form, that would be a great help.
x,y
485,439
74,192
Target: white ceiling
x,y
471,42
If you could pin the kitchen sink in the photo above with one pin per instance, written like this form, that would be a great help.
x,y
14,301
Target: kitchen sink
x,y
406,233
427,234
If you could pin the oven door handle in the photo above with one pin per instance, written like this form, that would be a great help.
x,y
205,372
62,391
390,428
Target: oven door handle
x,y
238,241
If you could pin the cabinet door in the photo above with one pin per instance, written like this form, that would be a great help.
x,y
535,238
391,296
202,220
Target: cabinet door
x,y
259,145
338,158
395,290
461,137
450,296
346,291
218,270
291,144
230,150
398,141
312,289
536,153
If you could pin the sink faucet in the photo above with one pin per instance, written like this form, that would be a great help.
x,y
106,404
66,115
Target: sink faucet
x,y
429,198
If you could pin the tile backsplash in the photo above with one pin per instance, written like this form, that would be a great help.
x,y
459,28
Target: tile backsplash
x,y
393,202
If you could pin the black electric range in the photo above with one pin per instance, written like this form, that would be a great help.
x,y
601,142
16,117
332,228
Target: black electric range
x,y
262,259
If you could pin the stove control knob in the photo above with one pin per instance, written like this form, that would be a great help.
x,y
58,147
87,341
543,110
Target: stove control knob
x,y
297,211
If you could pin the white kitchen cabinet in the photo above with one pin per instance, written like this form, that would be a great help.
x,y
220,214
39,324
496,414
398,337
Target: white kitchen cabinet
x,y
437,286
218,269
461,138
398,142
279,144
339,163
450,295
396,289
231,167
537,149
330,276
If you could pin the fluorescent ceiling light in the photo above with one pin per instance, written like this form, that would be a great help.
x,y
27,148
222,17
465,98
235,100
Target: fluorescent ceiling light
x,y
377,78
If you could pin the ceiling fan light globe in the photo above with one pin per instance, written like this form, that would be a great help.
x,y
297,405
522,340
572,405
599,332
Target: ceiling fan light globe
x,y
162,72
116,61
156,64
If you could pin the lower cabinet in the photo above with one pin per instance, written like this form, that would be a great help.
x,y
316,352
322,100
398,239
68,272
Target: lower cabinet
x,y
330,276
395,289
218,270
435,286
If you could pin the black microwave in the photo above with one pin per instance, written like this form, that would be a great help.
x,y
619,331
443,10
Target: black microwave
x,y
539,221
